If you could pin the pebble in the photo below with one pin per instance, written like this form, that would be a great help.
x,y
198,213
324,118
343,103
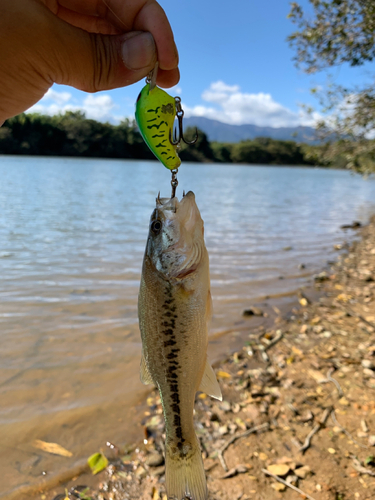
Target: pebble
x,y
303,472
154,460
141,472
367,363
253,311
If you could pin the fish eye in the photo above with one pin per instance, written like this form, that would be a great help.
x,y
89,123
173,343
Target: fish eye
x,y
156,226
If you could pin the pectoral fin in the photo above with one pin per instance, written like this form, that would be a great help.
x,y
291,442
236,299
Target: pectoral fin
x,y
146,378
209,383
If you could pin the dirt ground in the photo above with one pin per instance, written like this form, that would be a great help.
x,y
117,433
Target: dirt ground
x,y
298,412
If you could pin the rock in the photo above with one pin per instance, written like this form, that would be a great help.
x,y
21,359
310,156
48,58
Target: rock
x,y
303,472
141,472
279,469
368,373
225,406
371,440
157,471
253,311
353,225
154,460
367,363
292,479
323,276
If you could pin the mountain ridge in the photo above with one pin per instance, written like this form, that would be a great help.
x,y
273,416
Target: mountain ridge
x,y
217,131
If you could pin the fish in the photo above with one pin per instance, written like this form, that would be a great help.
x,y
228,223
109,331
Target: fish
x,y
174,309
155,112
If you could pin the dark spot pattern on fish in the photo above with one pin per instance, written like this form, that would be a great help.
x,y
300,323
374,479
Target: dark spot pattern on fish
x,y
169,342
171,356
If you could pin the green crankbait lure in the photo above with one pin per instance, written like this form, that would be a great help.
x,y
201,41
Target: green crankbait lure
x,y
155,113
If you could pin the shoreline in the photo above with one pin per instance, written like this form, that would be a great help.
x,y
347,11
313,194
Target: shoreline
x,y
312,374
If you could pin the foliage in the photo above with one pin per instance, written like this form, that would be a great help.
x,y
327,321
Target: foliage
x,y
72,134
97,462
340,31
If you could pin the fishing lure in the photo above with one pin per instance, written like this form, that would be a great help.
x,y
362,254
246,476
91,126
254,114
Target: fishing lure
x,y
155,114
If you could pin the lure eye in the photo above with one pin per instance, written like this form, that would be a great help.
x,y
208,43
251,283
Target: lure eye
x,y
156,226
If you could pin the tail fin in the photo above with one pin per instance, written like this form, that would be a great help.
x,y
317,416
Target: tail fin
x,y
184,474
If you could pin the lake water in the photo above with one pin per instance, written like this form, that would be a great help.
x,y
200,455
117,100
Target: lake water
x,y
72,237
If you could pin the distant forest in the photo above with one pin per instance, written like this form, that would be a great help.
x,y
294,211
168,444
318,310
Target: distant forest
x,y
72,134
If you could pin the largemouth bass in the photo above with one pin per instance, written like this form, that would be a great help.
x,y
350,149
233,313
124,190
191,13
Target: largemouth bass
x,y
174,308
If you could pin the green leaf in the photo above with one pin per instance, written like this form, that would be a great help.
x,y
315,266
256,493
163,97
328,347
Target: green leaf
x,y
97,462
369,460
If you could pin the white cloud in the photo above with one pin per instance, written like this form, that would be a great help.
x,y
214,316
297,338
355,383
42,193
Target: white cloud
x,y
238,108
57,97
225,103
98,107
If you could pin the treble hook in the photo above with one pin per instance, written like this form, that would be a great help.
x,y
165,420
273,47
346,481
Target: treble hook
x,y
180,137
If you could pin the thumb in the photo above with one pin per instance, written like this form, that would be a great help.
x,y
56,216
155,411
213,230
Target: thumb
x,y
93,62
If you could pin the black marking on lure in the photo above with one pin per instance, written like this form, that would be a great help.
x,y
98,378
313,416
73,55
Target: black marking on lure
x,y
157,126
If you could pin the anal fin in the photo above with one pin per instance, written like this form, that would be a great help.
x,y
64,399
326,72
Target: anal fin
x,y
146,378
209,383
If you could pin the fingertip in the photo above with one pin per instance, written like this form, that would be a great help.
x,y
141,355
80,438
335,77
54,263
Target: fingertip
x,y
168,78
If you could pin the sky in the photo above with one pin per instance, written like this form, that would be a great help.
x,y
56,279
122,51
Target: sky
x,y
236,67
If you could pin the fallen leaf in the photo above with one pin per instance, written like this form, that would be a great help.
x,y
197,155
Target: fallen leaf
x,y
53,448
97,462
279,469
278,486
343,401
343,297
222,374
302,472
316,375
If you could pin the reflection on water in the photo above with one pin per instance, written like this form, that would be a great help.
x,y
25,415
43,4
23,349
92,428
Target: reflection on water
x,y
72,236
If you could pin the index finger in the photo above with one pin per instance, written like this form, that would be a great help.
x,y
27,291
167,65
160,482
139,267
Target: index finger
x,y
146,15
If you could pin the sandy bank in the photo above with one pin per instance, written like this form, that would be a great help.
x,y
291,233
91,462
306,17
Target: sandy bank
x,y
299,402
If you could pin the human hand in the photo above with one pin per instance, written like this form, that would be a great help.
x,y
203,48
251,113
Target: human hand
x,y
91,45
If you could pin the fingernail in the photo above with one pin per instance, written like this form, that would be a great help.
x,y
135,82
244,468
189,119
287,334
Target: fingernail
x,y
138,51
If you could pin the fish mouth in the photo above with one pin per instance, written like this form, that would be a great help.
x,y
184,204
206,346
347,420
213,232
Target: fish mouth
x,y
173,203
181,257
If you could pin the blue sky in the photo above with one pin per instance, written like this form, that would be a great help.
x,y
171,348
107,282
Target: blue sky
x,y
235,64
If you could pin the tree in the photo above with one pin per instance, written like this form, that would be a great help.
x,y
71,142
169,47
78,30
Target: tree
x,y
340,31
